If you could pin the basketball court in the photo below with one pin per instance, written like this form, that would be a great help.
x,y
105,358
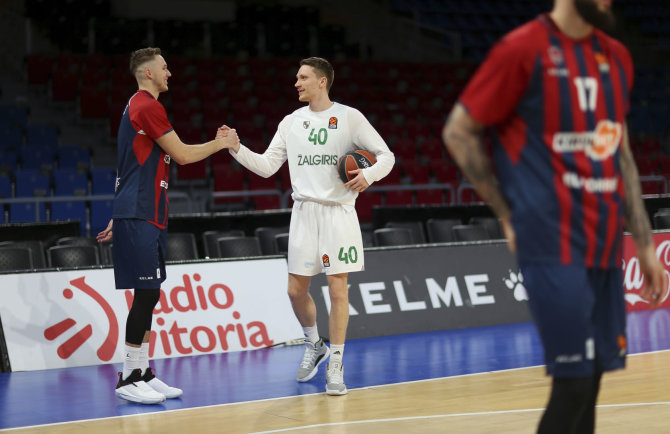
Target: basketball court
x,y
477,380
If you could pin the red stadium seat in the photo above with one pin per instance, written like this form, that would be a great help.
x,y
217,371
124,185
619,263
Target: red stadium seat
x,y
399,197
419,173
364,204
429,197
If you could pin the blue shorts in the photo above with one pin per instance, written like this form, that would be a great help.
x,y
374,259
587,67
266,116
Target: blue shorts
x,y
139,254
580,314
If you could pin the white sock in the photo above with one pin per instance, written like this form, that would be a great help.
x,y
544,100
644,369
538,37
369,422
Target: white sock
x,y
144,357
131,361
311,334
336,353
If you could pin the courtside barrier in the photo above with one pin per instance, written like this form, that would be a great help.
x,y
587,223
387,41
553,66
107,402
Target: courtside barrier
x,y
71,318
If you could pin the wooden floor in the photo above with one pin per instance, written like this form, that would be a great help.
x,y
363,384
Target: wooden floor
x,y
635,400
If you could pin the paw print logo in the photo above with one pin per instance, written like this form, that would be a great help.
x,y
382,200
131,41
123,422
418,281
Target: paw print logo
x,y
515,283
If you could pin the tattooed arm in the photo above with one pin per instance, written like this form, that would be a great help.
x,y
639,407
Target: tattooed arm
x,y
462,136
637,223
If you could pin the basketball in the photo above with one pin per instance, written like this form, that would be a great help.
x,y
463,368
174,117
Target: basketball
x,y
358,159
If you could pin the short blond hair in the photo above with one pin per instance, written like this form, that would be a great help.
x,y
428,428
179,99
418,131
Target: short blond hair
x,y
141,56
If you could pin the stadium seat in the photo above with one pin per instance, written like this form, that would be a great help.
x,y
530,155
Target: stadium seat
x,y
281,240
209,243
15,258
469,233
72,256
181,246
103,180
266,238
415,228
491,224
439,230
364,204
35,247
101,213
386,237
237,247
662,220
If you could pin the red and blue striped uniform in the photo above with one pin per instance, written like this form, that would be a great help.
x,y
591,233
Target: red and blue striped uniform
x,y
143,166
557,106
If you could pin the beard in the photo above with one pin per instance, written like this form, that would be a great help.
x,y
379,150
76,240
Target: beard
x,y
588,10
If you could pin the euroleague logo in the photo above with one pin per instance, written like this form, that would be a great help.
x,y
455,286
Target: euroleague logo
x,y
606,139
66,349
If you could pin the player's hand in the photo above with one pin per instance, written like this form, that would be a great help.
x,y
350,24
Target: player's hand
x,y
358,183
228,137
106,235
508,232
655,277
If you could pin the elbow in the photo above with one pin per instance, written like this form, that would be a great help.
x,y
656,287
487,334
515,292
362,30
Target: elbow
x,y
180,158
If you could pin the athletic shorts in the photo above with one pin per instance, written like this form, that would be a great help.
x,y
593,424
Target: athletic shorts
x,y
580,314
324,238
139,254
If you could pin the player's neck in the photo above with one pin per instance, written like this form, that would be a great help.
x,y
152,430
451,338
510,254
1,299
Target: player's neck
x,y
150,89
570,22
321,103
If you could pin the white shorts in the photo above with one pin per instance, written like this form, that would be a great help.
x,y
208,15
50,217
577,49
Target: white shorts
x,y
324,238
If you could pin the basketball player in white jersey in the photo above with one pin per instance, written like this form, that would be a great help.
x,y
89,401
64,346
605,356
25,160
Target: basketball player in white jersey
x,y
324,234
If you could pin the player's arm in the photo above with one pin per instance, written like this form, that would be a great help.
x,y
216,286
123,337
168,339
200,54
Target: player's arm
x,y
366,137
185,154
267,163
462,136
637,222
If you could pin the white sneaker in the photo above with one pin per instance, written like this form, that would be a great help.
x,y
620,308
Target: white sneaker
x,y
335,379
314,355
159,386
135,390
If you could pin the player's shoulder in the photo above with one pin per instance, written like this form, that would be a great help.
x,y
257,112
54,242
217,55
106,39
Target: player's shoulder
x,y
527,38
616,47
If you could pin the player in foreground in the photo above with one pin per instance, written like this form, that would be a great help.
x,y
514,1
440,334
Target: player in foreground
x,y
146,145
324,234
555,91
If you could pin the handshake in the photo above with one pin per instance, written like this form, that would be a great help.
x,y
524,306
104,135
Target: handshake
x,y
228,138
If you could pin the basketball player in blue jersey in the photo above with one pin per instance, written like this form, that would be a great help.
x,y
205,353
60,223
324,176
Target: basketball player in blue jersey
x,y
147,144
555,92
324,235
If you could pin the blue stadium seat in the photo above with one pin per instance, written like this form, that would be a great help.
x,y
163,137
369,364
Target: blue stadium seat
x,y
101,213
41,135
73,157
9,161
37,157
69,211
29,183
11,138
103,181
69,182
11,115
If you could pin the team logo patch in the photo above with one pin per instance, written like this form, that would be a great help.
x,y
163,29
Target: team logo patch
x,y
555,55
305,124
621,341
332,123
606,139
326,260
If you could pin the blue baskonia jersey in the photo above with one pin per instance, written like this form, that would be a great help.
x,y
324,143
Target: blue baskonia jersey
x,y
557,106
143,167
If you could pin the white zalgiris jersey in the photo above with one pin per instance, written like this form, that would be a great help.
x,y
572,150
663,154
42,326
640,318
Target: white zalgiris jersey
x,y
313,142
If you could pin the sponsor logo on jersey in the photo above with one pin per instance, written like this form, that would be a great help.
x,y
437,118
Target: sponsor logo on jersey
x,y
326,260
305,124
332,123
597,145
164,184
591,185
317,160
142,132
167,159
